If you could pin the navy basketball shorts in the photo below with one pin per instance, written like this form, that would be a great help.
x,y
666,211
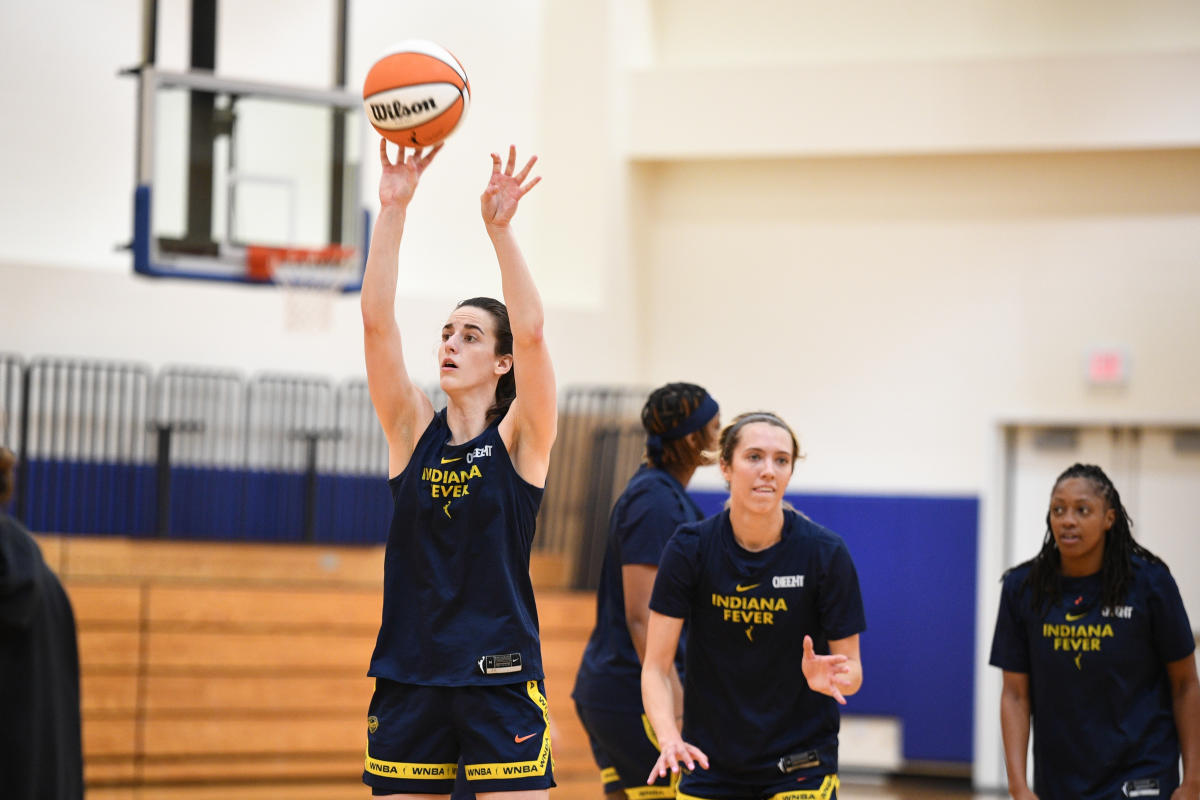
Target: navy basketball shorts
x,y
708,784
625,749
416,736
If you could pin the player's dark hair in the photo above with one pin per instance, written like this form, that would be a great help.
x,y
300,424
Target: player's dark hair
x,y
1116,570
732,433
8,465
665,410
506,389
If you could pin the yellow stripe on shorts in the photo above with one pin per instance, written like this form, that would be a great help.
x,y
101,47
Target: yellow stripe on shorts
x,y
609,775
399,769
519,769
822,792
651,792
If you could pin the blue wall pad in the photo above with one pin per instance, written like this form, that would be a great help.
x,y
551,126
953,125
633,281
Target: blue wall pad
x,y
916,559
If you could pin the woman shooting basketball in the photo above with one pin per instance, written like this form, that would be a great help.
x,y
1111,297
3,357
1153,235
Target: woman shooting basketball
x,y
763,590
457,661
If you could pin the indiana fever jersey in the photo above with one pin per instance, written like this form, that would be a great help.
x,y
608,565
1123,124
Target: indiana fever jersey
x,y
458,607
1102,720
652,506
747,703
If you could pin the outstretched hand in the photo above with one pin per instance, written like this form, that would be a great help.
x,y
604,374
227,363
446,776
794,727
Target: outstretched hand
x,y
504,191
825,674
399,180
674,752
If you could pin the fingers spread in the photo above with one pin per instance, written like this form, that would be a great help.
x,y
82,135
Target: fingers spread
x,y
520,176
425,161
531,184
383,156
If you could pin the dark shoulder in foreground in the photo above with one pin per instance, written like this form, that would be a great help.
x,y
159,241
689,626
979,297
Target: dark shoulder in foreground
x,y
705,529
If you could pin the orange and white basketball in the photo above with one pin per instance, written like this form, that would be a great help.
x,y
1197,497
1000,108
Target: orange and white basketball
x,y
416,94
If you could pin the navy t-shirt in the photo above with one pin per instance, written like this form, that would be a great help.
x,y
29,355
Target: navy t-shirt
x,y
746,702
458,605
652,506
1099,694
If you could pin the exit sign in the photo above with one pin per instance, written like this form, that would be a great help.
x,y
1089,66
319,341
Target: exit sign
x,y
1107,366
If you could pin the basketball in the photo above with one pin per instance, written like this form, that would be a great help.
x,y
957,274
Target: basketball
x,y
416,94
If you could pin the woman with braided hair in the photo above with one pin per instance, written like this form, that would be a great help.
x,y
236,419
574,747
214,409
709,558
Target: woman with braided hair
x,y
681,422
1096,648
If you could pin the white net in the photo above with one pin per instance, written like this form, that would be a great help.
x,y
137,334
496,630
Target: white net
x,y
310,282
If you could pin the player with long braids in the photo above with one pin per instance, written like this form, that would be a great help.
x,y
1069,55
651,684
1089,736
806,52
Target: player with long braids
x,y
681,421
1097,650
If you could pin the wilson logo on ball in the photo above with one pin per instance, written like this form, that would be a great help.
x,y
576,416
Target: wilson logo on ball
x,y
383,113
416,94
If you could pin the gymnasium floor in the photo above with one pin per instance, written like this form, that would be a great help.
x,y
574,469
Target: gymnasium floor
x,y
855,788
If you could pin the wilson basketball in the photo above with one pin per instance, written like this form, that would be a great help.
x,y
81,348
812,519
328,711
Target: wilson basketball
x,y
416,94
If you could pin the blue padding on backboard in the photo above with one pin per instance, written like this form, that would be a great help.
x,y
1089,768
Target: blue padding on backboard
x,y
143,265
141,230
916,559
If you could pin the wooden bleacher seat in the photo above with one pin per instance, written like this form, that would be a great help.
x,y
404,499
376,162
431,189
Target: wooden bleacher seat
x,y
220,665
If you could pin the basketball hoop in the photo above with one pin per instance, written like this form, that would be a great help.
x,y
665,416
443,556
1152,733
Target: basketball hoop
x,y
310,279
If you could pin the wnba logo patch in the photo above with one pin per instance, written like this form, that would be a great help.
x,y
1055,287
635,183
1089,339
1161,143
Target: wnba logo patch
x,y
372,724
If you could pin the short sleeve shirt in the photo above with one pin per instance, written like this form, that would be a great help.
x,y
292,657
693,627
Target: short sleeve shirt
x,y
1100,699
748,703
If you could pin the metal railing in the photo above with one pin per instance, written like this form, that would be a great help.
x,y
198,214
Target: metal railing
x,y
201,453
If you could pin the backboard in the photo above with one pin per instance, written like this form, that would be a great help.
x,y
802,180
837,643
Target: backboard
x,y
225,166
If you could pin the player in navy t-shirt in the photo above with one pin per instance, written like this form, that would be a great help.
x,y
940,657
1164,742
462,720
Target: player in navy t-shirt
x,y
457,663
681,422
1097,650
774,613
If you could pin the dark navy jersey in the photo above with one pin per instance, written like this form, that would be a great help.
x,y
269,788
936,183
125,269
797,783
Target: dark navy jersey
x,y
1099,694
458,607
652,506
746,702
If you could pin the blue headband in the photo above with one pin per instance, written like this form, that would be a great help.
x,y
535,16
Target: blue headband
x,y
699,417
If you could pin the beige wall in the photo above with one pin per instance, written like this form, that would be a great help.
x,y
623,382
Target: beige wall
x,y
893,308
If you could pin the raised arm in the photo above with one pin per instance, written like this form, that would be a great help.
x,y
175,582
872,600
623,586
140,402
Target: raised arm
x,y
532,423
658,665
402,408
